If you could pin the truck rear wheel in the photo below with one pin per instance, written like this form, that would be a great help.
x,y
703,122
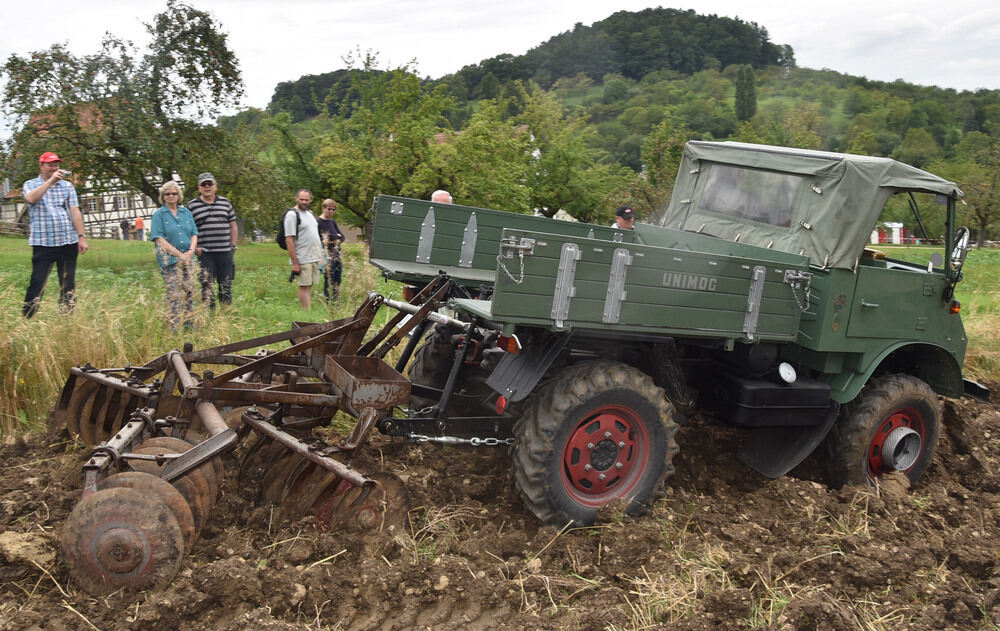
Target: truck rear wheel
x,y
598,432
893,425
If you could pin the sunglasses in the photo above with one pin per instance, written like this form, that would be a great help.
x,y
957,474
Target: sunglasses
x,y
207,184
165,194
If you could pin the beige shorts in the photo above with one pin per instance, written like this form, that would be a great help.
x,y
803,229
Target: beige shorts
x,y
309,275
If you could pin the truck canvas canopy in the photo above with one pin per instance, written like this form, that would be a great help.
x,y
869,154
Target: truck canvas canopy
x,y
815,203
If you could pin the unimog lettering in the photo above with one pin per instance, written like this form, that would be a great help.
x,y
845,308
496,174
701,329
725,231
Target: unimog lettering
x,y
678,280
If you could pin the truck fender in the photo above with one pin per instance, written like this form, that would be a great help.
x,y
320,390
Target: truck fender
x,y
516,376
929,362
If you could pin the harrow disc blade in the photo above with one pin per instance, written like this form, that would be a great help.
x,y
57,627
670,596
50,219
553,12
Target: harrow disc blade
x,y
176,445
305,490
93,413
127,404
234,417
149,484
82,392
195,438
383,506
276,477
119,538
259,459
192,486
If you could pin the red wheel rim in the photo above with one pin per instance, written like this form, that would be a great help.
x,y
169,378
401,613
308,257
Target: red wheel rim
x,y
605,455
907,417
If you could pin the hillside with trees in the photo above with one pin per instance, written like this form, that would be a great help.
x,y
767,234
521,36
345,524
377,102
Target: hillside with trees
x,y
588,120
597,116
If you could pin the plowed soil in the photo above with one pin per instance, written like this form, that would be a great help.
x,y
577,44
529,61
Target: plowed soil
x,y
726,548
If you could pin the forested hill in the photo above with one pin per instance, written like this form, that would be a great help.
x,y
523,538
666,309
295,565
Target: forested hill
x,y
608,108
628,43
303,97
634,44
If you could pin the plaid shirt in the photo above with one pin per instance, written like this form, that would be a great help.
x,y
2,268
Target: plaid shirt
x,y
51,225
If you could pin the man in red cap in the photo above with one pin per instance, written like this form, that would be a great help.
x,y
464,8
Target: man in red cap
x,y
56,236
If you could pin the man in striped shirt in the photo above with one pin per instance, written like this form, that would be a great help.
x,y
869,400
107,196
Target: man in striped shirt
x,y
217,234
56,233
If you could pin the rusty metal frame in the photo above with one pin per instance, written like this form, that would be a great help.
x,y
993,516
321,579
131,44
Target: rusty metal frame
x,y
350,375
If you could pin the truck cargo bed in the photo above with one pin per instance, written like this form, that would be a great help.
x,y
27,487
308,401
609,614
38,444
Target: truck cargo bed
x,y
414,240
739,292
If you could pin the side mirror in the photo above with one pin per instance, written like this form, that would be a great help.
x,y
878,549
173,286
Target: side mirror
x,y
959,250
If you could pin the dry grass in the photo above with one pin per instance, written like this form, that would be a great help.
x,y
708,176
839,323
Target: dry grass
x,y
699,568
120,318
431,526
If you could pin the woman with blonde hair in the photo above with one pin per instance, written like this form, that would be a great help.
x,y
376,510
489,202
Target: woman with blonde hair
x,y
174,232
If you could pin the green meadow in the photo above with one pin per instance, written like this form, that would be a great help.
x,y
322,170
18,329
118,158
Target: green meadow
x,y
120,316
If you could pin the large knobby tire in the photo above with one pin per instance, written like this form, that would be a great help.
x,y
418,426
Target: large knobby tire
x,y
598,432
893,425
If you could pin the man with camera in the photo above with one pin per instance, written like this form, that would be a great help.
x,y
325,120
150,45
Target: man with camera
x,y
56,236
304,246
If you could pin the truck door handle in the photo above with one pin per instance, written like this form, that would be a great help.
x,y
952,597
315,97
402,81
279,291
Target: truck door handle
x,y
868,305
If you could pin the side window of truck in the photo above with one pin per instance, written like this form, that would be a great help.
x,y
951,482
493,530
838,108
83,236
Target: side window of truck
x,y
750,195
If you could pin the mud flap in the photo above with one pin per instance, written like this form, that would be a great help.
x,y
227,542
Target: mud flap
x,y
976,391
774,451
517,375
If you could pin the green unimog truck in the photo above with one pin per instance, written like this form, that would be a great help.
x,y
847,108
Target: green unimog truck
x,y
754,298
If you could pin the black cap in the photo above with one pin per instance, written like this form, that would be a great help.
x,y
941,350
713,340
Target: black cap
x,y
625,212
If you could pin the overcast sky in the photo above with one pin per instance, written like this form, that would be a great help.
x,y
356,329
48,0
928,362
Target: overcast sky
x,y
949,44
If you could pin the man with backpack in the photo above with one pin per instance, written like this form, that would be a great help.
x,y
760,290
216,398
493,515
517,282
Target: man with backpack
x,y
305,250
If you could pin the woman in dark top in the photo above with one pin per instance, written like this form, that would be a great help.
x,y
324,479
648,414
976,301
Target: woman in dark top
x,y
332,237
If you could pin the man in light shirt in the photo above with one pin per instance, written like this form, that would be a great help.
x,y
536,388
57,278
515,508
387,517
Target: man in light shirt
x,y
56,236
305,250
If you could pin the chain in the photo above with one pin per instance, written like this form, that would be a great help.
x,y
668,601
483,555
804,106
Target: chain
x,y
414,413
801,283
807,298
520,256
455,440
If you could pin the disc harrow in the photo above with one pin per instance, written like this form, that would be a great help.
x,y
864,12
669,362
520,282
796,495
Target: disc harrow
x,y
159,433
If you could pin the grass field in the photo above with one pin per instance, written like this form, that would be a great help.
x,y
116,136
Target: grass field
x,y
120,314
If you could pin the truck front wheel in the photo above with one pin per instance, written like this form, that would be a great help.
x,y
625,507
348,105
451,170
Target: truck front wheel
x,y
600,431
893,425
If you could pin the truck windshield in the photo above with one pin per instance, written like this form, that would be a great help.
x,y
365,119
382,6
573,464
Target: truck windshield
x,y
746,194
